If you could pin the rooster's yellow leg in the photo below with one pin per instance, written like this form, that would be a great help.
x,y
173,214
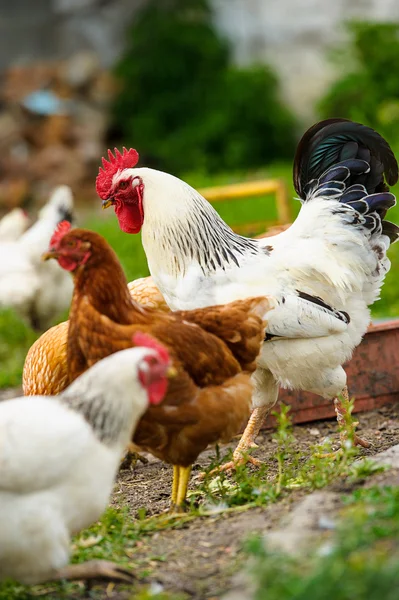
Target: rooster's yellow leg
x,y
252,429
183,479
246,442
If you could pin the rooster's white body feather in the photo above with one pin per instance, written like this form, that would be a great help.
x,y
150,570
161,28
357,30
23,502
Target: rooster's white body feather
x,y
322,274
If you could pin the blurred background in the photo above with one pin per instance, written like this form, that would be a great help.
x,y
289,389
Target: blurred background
x,y
214,91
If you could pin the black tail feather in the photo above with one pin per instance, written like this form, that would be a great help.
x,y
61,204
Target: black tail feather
x,y
391,230
333,141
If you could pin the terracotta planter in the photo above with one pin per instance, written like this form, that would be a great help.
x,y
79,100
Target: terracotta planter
x,y
373,378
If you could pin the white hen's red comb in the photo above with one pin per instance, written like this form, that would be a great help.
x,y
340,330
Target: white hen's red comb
x,y
143,339
127,160
62,229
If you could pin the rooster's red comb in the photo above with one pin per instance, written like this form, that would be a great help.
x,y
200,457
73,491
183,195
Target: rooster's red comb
x,y
143,339
127,160
62,229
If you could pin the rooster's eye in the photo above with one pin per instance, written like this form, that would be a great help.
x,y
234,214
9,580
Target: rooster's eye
x,y
123,185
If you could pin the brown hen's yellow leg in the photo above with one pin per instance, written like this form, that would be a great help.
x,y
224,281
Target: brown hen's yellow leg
x,y
183,479
175,486
246,442
94,569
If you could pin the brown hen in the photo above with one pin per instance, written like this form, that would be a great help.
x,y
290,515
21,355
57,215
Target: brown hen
x,y
213,349
45,368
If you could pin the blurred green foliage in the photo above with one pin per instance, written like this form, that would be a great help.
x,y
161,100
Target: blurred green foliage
x,y
15,340
184,105
368,91
359,561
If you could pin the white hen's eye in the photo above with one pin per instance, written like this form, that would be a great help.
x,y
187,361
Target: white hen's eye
x,y
123,185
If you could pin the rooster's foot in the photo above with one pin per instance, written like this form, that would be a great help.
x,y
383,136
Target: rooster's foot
x,y
238,461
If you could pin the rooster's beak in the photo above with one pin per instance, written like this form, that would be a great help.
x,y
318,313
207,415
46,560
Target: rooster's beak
x,y
49,254
107,203
171,372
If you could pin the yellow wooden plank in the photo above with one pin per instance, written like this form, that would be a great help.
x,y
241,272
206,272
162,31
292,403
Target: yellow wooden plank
x,y
253,188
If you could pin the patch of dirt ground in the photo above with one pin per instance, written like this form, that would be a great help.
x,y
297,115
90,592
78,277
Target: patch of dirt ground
x,y
198,559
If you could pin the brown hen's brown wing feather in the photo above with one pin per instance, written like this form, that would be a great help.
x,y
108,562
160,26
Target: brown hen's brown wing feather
x,y
238,324
45,370
178,434
204,356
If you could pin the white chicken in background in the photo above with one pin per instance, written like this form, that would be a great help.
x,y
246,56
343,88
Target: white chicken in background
x,y
13,225
323,272
58,459
37,291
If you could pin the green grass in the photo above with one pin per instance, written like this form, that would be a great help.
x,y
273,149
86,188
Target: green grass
x,y
14,345
15,339
288,470
114,538
359,562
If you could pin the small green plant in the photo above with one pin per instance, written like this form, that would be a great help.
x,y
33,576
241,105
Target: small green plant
x,y
368,91
15,339
294,471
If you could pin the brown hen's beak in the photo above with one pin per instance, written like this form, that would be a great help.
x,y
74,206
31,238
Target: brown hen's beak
x,y
107,203
49,254
171,372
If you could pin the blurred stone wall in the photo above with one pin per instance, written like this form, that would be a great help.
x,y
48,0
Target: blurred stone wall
x,y
48,29
293,36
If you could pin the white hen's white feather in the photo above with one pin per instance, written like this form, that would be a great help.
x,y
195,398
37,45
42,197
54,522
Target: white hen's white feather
x,y
38,291
13,225
56,472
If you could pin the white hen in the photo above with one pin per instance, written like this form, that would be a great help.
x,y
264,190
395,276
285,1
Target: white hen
x,y
13,225
323,272
58,459
37,291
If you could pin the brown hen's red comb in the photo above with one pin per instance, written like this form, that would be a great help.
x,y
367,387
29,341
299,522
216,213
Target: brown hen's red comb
x,y
143,339
127,160
62,229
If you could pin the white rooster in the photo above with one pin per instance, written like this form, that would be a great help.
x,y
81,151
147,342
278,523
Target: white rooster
x,y
37,291
13,225
58,459
323,272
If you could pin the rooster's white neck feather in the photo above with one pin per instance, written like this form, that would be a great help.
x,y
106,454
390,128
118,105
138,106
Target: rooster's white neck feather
x,y
180,227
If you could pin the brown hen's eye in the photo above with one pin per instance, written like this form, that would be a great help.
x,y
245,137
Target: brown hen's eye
x,y
123,185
